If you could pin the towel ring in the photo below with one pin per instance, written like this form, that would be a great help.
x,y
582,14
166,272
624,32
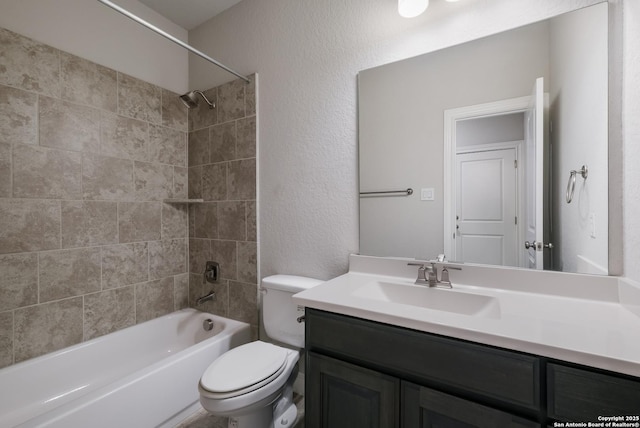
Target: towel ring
x,y
571,185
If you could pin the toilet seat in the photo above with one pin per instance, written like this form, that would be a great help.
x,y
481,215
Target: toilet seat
x,y
243,369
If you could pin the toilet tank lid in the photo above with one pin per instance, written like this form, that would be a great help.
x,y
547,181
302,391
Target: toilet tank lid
x,y
291,283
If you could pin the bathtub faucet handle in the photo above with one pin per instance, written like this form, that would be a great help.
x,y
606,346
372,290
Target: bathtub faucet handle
x,y
211,272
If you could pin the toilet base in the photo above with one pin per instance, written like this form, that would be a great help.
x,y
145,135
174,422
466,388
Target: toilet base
x,y
265,418
262,418
287,418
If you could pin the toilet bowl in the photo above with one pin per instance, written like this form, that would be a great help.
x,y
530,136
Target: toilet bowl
x,y
248,378
253,383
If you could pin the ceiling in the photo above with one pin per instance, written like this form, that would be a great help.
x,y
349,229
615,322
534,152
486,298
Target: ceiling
x,y
189,13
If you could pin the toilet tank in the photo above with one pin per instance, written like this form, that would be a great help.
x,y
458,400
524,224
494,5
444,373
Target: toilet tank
x,y
279,313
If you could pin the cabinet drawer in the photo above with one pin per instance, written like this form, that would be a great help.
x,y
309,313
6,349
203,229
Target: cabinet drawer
x,y
448,364
576,395
425,408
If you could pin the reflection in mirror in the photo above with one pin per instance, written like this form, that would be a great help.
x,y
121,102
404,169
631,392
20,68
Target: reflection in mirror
x,y
458,126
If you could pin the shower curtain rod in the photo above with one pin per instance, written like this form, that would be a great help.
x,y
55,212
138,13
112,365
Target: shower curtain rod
x,y
170,37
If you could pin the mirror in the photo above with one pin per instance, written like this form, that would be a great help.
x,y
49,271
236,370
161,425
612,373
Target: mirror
x,y
454,126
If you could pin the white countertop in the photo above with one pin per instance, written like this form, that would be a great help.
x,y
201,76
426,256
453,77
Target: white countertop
x,y
582,319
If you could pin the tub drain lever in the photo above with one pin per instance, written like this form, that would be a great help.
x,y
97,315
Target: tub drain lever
x,y
207,324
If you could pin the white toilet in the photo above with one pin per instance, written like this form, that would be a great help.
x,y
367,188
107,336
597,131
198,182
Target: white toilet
x,y
253,383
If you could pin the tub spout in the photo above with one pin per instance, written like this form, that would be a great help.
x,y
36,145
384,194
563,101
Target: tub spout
x,y
206,297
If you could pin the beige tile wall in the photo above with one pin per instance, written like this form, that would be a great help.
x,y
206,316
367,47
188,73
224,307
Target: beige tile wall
x,y
222,171
87,155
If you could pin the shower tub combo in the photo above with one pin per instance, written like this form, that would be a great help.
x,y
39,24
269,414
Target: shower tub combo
x,y
143,376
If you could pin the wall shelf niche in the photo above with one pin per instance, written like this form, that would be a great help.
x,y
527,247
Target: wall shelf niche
x,y
183,201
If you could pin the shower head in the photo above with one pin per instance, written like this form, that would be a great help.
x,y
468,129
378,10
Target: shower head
x,y
190,99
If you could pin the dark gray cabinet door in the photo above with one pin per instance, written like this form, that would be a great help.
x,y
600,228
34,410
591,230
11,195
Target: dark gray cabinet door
x,y
342,395
576,395
426,408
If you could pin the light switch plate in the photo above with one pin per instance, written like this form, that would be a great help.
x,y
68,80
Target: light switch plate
x,y
427,194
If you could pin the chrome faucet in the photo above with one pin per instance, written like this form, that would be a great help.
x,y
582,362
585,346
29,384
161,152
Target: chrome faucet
x,y
206,297
428,273
433,278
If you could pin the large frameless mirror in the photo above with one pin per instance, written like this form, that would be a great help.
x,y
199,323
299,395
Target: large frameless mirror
x,y
494,151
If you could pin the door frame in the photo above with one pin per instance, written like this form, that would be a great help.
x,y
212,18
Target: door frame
x,y
451,117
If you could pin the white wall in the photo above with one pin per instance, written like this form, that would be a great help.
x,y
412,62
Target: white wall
x,y
578,105
631,132
308,54
90,30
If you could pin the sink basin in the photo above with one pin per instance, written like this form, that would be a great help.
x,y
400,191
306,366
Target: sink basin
x,y
438,299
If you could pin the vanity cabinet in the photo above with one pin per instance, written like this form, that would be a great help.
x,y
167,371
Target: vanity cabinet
x,y
362,373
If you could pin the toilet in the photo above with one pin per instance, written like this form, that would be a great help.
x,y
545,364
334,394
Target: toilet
x,y
252,384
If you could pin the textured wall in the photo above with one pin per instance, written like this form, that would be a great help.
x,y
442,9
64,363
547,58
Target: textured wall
x,y
308,54
87,155
222,172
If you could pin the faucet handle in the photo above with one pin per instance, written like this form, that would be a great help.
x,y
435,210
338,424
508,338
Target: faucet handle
x,y
211,272
422,277
445,275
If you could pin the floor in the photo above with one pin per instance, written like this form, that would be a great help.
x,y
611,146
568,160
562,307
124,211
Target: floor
x,y
202,419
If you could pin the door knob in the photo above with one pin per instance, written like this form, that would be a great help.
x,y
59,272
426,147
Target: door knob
x,y
538,246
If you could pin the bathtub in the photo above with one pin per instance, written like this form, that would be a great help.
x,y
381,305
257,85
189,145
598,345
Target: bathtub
x,y
142,376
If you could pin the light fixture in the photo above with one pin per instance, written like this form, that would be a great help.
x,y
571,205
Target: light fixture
x,y
412,8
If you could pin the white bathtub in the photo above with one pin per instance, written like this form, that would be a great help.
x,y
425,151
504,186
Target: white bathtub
x,y
143,376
